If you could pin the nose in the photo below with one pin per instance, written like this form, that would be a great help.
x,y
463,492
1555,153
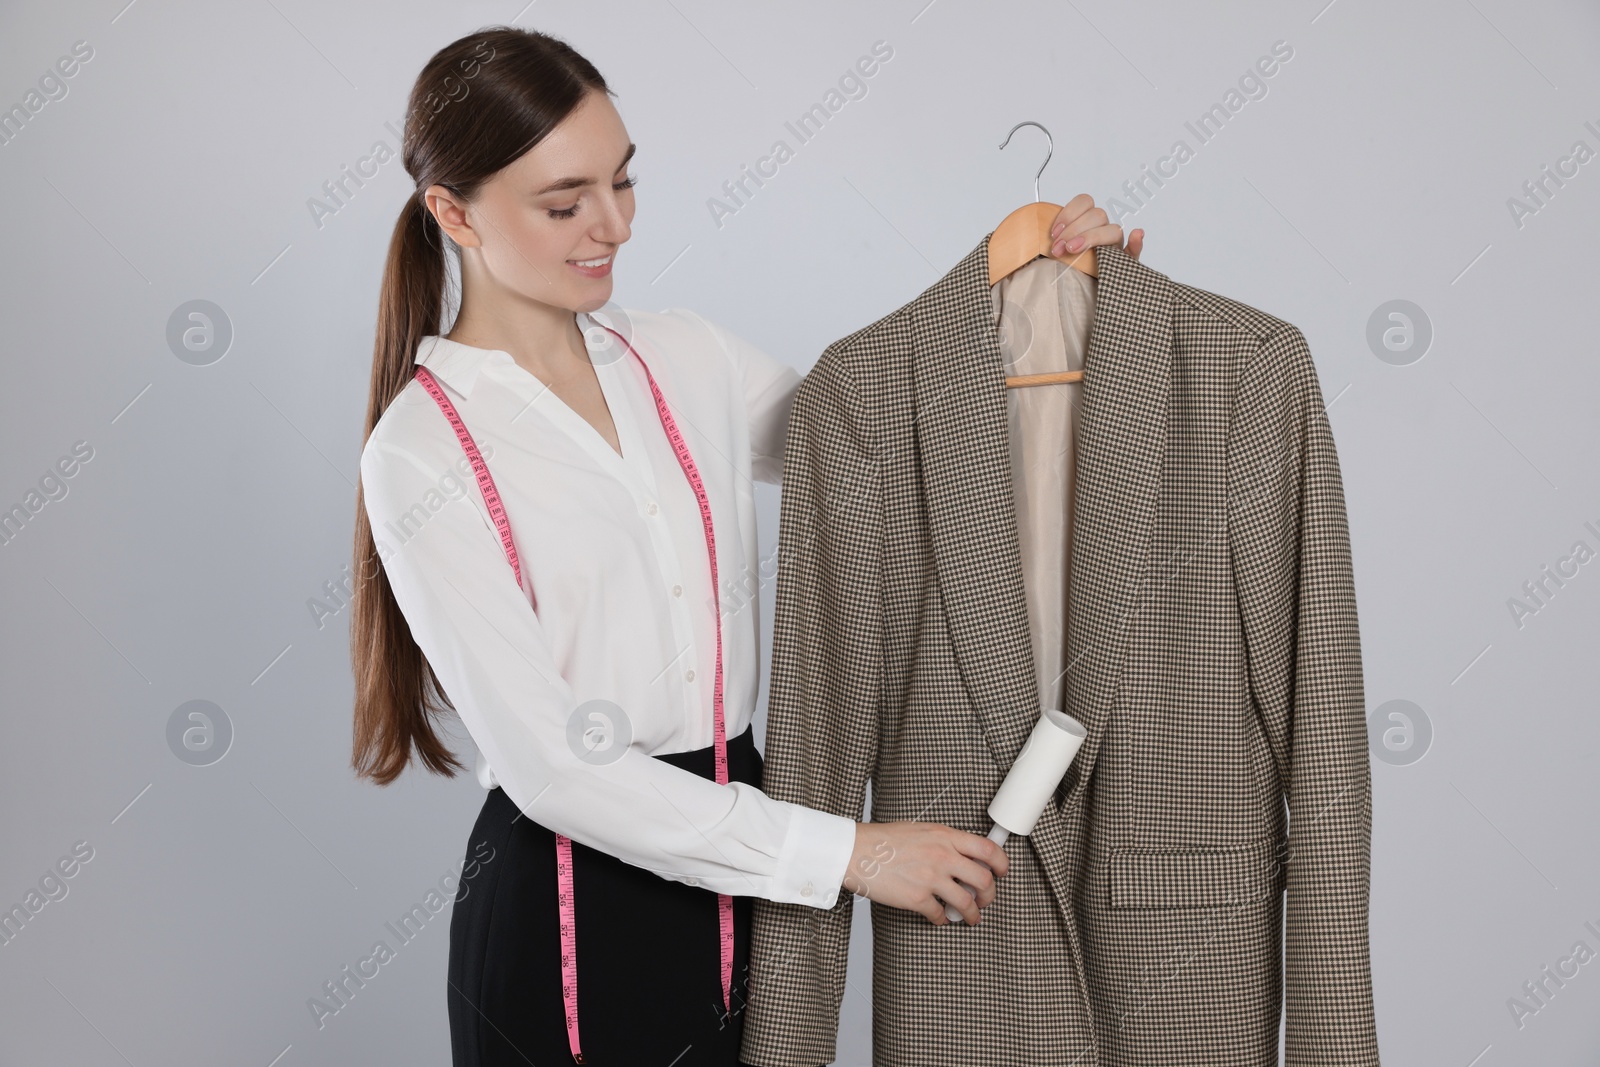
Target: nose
x,y
611,222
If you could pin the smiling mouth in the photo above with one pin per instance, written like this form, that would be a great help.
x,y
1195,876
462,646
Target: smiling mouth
x,y
602,261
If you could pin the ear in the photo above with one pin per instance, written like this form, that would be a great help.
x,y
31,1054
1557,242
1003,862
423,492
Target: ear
x,y
450,212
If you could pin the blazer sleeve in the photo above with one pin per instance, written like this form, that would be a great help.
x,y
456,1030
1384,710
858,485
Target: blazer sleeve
x,y
822,714
1290,543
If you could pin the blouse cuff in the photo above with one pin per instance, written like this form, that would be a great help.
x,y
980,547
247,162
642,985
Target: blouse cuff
x,y
815,855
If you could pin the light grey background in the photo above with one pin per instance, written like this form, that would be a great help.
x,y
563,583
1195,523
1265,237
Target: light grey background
x,y
1378,166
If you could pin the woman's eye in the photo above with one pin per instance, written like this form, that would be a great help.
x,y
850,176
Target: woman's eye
x,y
569,212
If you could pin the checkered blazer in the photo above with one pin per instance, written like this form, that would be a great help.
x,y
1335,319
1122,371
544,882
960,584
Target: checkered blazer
x,y
1212,653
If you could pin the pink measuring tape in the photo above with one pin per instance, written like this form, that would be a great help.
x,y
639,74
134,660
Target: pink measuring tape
x,y
502,525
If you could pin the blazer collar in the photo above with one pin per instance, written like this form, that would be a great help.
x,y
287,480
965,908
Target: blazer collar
x,y
963,442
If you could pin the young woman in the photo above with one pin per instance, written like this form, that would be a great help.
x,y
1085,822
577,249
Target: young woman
x,y
556,539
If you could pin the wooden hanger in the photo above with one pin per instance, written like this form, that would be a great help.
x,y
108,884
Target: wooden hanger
x,y
1022,237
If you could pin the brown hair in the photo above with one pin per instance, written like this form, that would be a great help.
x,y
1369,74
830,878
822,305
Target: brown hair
x,y
520,84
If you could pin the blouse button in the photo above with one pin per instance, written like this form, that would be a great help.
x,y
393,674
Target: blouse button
x,y
651,508
806,890
688,676
677,590
691,881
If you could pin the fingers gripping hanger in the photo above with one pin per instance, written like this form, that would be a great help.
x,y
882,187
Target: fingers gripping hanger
x,y
1022,237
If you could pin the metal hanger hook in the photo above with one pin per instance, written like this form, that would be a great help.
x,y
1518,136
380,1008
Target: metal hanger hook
x,y
1048,152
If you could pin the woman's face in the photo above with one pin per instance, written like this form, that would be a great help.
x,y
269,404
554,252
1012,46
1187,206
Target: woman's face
x,y
547,227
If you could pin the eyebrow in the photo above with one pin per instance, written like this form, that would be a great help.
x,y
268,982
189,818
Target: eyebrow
x,y
579,183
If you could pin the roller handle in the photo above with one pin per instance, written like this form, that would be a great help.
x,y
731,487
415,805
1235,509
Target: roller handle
x,y
998,835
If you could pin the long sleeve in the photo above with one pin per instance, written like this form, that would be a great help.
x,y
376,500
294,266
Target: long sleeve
x,y
485,642
769,387
822,716
1291,550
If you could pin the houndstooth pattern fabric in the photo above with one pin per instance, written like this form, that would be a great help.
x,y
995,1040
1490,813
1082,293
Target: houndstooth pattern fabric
x,y
1204,864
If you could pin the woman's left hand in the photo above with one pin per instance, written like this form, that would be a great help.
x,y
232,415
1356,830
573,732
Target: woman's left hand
x,y
1079,225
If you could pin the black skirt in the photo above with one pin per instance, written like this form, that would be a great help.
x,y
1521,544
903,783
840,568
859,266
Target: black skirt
x,y
648,949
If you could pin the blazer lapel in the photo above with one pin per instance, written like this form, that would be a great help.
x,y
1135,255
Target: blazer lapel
x,y
963,446
1121,450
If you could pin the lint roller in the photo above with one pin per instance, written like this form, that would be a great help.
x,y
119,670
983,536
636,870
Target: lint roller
x,y
1032,781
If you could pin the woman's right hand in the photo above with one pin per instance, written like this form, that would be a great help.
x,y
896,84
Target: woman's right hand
x,y
916,865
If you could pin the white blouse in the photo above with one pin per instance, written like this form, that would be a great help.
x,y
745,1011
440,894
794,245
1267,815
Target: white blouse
x,y
616,604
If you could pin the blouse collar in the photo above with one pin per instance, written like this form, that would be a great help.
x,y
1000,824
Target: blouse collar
x,y
456,363
459,365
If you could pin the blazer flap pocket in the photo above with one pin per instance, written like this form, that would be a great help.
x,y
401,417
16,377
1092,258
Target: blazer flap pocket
x,y
1193,877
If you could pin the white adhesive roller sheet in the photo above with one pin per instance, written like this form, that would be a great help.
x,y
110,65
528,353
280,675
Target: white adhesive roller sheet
x,y
1038,769
1033,779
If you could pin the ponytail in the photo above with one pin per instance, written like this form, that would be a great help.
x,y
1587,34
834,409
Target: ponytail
x,y
397,694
